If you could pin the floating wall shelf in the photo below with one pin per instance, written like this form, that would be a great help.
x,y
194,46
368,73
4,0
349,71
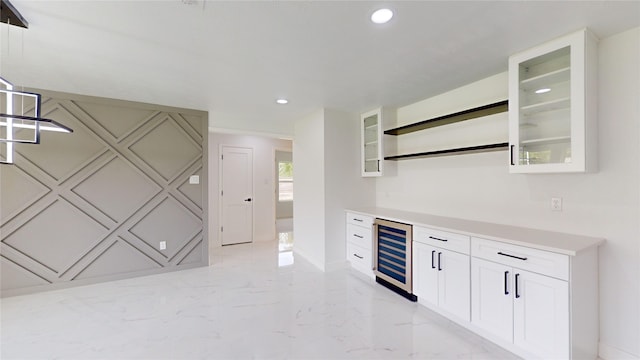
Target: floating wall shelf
x,y
456,151
485,110
9,15
481,111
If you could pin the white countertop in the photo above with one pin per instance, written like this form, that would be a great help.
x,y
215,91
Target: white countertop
x,y
568,244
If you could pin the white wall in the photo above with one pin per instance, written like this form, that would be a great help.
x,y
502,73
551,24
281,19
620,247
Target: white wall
x,y
308,207
344,185
604,204
263,179
327,171
617,192
231,123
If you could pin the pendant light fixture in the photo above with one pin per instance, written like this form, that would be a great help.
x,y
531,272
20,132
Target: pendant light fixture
x,y
20,120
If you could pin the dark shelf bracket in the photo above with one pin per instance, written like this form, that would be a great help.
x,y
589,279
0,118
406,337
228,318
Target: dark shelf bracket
x,y
485,110
456,151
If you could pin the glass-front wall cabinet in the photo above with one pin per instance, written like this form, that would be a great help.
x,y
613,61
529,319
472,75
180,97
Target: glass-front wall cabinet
x,y
371,136
548,108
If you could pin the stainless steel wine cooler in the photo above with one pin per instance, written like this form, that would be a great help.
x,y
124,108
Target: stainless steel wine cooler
x,y
392,256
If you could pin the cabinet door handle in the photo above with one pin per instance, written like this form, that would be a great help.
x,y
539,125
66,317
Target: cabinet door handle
x,y
433,261
378,165
517,292
511,154
360,220
506,281
439,262
358,256
435,238
512,256
358,236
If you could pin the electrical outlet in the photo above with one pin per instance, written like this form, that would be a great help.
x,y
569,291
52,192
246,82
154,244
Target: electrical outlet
x,y
194,179
163,245
556,204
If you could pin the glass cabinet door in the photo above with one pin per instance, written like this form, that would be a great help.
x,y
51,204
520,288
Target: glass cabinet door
x,y
545,109
371,144
547,98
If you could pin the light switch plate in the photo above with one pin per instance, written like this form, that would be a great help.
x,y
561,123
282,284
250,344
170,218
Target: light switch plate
x,y
194,179
163,245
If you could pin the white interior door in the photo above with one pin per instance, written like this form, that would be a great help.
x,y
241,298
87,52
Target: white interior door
x,y
237,195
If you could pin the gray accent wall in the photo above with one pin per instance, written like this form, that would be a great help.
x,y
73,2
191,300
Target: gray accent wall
x,y
94,205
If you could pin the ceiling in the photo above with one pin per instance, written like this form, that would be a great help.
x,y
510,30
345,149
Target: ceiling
x,y
235,58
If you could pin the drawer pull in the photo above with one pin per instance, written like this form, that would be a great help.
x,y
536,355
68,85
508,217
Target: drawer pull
x,y
433,261
506,281
358,256
435,238
517,293
360,220
512,256
358,236
439,262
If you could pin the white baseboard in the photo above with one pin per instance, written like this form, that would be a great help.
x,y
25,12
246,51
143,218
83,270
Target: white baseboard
x,y
607,352
338,265
308,259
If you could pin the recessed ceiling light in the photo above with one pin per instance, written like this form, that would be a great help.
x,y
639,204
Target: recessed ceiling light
x,y
282,101
381,16
542,91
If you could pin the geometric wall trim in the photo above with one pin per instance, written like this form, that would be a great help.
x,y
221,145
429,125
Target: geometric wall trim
x,y
128,258
57,236
15,276
116,196
170,222
166,149
192,193
95,204
13,202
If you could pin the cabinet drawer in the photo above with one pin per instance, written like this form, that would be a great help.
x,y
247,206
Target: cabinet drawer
x,y
359,258
358,219
538,261
359,236
442,239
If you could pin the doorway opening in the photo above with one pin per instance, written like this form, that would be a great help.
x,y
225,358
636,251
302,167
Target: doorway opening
x,y
284,197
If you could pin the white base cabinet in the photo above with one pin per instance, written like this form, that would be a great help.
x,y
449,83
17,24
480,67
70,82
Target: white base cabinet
x,y
359,238
535,302
541,315
532,292
441,276
492,302
522,307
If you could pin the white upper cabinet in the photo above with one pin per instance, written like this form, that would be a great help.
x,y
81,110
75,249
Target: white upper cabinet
x,y
552,106
371,140
372,146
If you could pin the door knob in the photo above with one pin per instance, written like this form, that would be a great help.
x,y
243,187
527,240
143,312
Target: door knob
x,y
247,199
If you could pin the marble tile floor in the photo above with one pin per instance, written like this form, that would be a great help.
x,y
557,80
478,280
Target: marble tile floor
x,y
247,305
